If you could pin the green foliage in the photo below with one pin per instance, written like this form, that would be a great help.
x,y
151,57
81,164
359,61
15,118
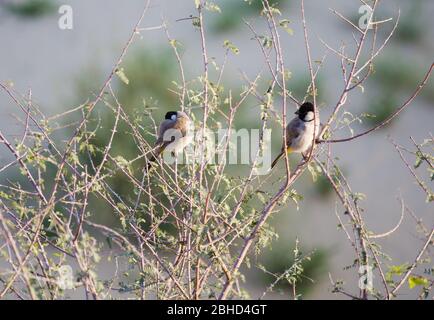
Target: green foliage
x,y
411,30
380,109
232,13
150,73
292,268
229,45
394,74
86,196
323,187
396,270
212,7
414,281
299,84
284,23
30,8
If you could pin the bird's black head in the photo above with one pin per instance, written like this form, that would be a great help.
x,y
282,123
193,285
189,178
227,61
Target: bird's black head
x,y
171,115
303,111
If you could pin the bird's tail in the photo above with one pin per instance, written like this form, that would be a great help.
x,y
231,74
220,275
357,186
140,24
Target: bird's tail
x,y
154,156
276,160
288,150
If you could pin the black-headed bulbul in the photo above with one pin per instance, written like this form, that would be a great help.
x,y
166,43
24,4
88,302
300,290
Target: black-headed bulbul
x,y
173,134
300,131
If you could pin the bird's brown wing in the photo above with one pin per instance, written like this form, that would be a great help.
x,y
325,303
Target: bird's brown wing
x,y
292,132
180,125
165,125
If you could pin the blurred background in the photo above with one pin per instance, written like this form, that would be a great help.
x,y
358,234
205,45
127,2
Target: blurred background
x,y
64,68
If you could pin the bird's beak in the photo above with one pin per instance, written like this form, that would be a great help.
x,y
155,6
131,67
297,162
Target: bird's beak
x,y
297,112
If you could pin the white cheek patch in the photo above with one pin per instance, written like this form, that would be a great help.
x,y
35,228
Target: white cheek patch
x,y
309,116
173,117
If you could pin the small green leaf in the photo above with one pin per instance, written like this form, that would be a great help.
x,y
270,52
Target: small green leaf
x,y
287,74
211,6
174,43
267,42
229,45
313,171
398,270
196,22
272,11
414,281
284,24
121,74
419,158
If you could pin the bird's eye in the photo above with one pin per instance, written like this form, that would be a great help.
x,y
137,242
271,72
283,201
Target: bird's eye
x,y
173,117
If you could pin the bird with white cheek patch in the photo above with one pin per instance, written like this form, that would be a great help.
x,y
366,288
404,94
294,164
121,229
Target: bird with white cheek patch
x,y
173,134
300,131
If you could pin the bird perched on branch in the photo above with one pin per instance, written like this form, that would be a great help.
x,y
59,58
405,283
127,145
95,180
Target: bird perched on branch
x,y
173,135
300,131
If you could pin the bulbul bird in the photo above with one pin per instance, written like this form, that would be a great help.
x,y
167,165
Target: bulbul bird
x,y
300,131
173,134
